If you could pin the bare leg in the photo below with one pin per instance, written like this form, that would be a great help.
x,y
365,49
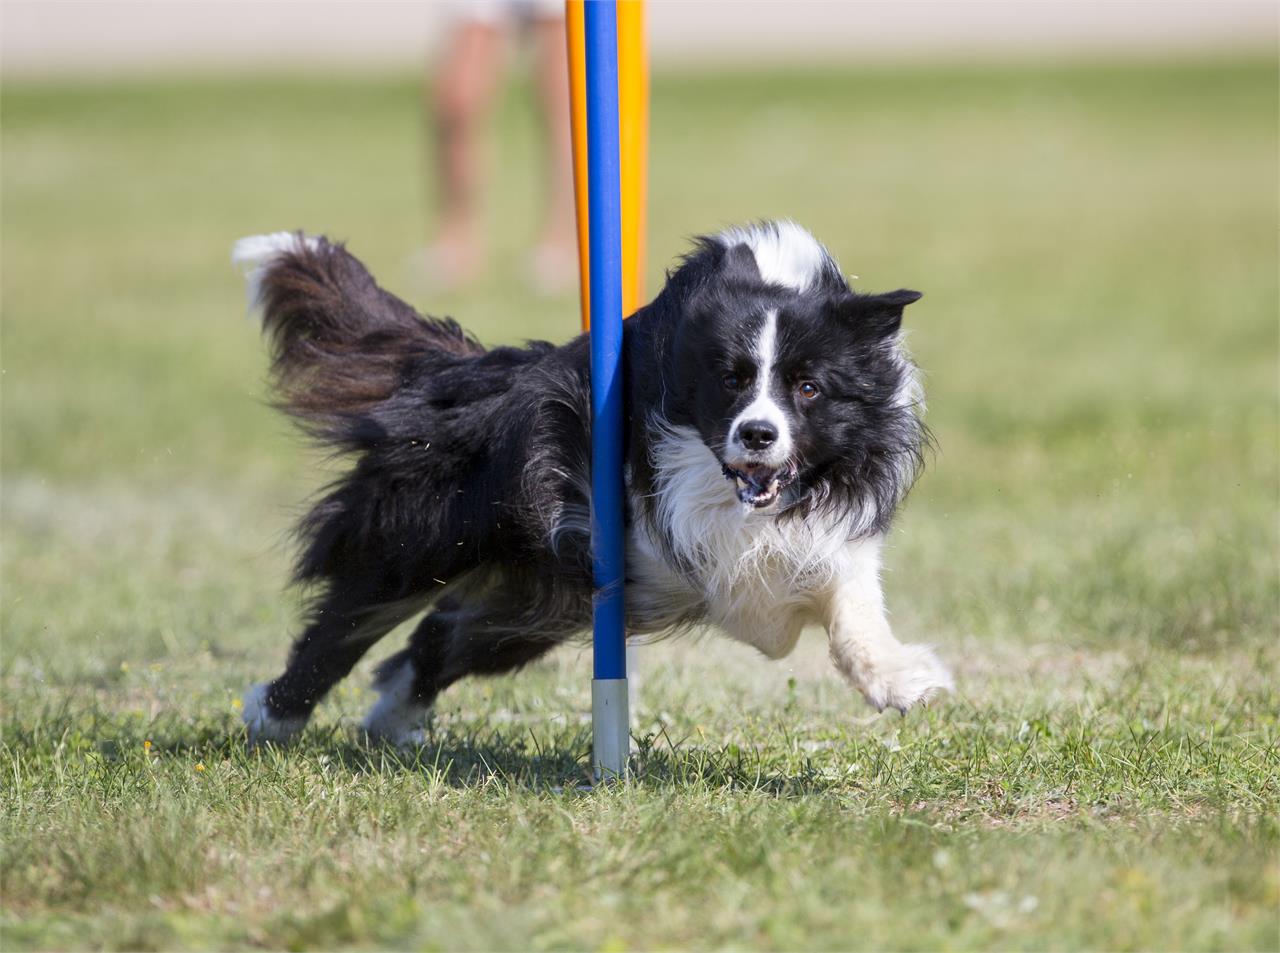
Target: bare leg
x,y
555,254
464,91
888,673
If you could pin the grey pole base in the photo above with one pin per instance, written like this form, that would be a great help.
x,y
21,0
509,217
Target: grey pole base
x,y
610,728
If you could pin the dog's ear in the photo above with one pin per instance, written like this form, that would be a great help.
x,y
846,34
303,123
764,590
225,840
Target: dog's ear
x,y
739,265
876,315
723,268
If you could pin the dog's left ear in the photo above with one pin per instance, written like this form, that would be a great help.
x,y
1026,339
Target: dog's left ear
x,y
877,315
739,265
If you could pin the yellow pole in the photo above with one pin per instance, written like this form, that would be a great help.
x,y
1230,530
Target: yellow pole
x,y
575,36
633,134
633,121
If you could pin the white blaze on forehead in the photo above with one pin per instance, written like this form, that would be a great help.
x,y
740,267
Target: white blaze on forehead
x,y
766,352
785,253
763,406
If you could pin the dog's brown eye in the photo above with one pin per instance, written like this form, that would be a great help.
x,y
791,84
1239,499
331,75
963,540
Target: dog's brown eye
x,y
808,390
731,381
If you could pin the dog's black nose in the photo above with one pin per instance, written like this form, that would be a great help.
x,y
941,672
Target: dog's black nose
x,y
757,434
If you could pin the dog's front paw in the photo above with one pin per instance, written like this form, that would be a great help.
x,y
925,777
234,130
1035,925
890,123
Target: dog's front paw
x,y
912,675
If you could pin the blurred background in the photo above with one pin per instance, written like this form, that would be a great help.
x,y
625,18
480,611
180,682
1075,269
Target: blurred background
x,y
1086,193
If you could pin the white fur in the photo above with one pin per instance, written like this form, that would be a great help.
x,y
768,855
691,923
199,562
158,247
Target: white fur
x,y
763,406
910,392
756,577
261,724
255,254
761,581
888,673
397,716
785,253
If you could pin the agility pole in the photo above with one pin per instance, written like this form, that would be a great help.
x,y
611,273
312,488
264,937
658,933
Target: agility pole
x,y
610,718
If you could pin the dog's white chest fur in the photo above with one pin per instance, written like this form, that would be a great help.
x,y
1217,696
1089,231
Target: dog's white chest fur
x,y
742,570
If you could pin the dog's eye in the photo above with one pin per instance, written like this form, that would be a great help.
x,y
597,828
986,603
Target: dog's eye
x,y
731,382
808,390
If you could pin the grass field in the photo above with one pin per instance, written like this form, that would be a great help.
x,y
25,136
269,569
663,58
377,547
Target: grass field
x,y
1094,547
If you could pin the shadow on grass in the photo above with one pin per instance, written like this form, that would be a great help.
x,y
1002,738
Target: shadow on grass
x,y
465,757
560,763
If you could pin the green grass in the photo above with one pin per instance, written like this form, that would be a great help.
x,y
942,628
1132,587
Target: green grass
x,y
1094,547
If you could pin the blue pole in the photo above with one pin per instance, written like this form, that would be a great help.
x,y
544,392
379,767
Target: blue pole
x,y
610,718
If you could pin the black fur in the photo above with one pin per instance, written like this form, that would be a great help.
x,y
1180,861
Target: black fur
x,y
467,491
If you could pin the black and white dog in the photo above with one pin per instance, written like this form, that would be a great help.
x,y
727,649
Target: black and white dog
x,y
772,428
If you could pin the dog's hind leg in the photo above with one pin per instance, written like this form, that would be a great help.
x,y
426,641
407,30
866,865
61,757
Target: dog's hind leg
x,y
341,630
451,643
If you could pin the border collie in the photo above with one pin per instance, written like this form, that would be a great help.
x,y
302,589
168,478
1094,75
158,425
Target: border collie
x,y
773,426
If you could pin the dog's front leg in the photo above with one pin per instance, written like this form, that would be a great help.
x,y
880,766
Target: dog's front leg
x,y
888,673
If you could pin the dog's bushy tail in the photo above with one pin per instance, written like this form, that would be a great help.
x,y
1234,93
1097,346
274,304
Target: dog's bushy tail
x,y
340,345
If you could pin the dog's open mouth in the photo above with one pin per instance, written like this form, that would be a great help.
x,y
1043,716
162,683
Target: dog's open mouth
x,y
758,485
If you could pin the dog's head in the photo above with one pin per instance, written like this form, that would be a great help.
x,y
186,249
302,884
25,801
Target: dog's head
x,y
797,384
